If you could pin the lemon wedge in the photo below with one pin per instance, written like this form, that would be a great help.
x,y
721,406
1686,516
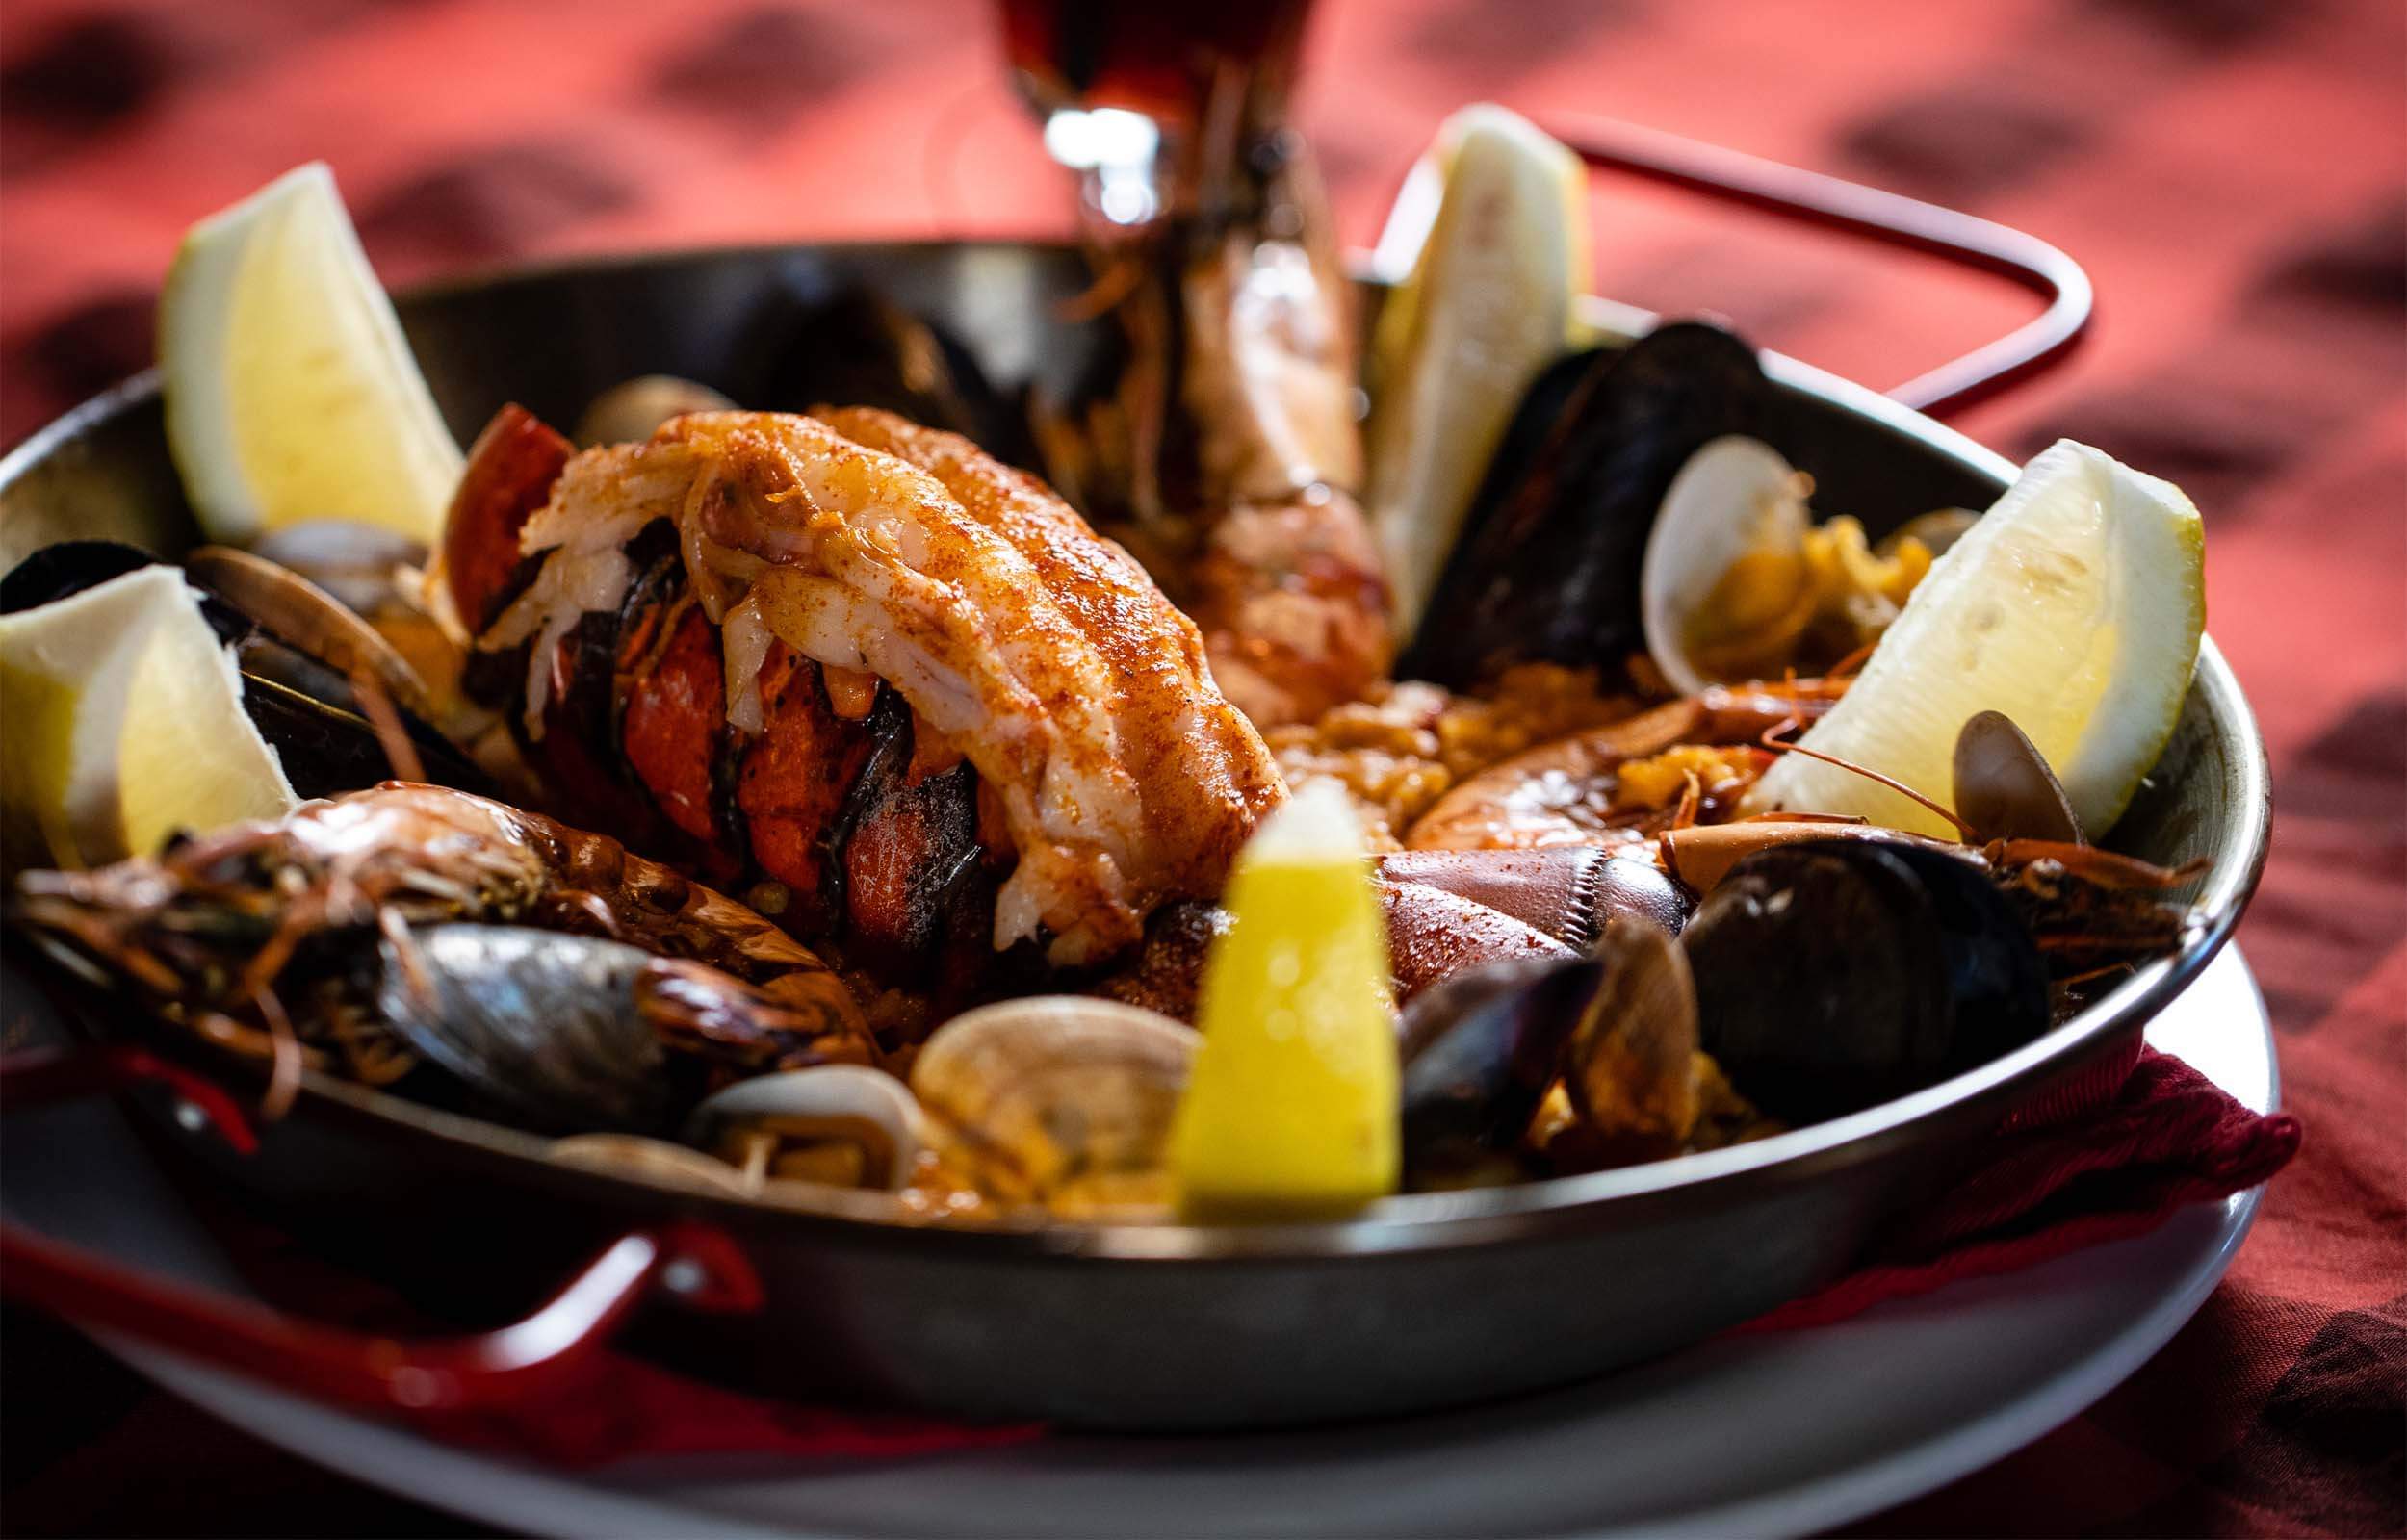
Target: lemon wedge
x,y
1488,306
1290,1109
125,725
2074,605
291,394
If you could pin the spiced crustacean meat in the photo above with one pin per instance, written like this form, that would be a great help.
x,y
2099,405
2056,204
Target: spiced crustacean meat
x,y
880,552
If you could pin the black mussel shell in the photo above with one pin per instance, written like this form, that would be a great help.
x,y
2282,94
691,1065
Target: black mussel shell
x,y
1834,975
2003,785
538,1024
1479,1052
1547,567
305,709
68,567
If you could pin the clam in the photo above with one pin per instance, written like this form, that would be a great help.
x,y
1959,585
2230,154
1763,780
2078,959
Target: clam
x,y
627,412
1741,582
1835,974
1734,519
845,1125
1060,1099
654,1160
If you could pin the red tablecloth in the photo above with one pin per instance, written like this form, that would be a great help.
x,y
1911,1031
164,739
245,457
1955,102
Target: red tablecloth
x,y
2230,170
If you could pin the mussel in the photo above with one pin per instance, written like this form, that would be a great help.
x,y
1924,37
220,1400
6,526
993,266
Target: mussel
x,y
1479,1054
1630,1070
1833,975
299,650
1609,1040
544,1026
1549,564
2003,785
567,1033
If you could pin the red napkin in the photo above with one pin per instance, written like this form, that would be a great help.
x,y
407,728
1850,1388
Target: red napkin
x,y
2108,1158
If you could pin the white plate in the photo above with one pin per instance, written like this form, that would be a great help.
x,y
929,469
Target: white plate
x,y
1776,1434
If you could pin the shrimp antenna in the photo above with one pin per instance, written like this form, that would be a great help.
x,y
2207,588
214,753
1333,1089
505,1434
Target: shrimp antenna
x,y
376,703
1771,741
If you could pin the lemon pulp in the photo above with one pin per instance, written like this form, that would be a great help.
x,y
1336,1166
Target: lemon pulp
x,y
125,725
1291,1108
291,394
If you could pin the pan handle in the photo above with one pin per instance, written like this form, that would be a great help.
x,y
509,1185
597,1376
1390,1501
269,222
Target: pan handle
x,y
696,1265
2042,342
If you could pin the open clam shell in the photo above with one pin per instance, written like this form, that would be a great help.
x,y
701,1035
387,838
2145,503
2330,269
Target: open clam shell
x,y
1067,1099
1734,497
837,1104
648,1159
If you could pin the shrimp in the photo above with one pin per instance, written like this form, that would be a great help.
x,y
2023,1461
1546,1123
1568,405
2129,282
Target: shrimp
x,y
1229,458
252,936
1568,792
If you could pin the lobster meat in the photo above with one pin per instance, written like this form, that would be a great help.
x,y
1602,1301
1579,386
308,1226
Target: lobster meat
x,y
897,695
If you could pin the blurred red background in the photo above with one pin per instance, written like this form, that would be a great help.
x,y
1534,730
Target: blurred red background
x,y
2233,173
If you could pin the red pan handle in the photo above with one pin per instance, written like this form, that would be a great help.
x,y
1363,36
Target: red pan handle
x,y
698,1265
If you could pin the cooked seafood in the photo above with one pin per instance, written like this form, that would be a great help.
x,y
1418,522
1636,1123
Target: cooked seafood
x,y
979,785
1229,455
842,1125
845,664
1564,1066
257,937
1056,1099
2004,787
1549,565
1834,974
578,1032
1739,583
1621,783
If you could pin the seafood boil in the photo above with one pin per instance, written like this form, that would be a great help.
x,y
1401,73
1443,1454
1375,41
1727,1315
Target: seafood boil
x,y
1030,811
